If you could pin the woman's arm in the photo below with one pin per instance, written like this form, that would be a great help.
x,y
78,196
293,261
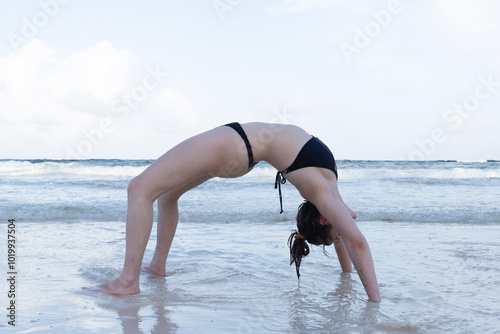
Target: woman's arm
x,y
333,209
343,255
340,248
319,186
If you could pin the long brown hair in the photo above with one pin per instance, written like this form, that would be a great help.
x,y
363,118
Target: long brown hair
x,y
308,226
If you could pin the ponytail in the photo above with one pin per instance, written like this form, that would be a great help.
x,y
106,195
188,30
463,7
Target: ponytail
x,y
298,249
308,225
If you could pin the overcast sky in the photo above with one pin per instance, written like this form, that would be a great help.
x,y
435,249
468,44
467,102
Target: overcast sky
x,y
130,79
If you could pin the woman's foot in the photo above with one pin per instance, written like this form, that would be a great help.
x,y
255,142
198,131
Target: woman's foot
x,y
116,287
154,271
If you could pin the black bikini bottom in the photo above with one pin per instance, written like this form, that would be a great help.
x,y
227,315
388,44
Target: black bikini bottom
x,y
237,127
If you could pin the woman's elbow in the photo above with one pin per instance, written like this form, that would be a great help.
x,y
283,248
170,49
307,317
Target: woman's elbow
x,y
358,243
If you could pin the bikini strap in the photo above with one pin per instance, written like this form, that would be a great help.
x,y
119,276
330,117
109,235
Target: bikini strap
x,y
280,179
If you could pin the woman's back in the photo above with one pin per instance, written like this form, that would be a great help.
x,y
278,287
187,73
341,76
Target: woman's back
x,y
277,144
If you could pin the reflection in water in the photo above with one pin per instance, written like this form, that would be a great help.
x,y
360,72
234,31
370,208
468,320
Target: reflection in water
x,y
339,311
148,312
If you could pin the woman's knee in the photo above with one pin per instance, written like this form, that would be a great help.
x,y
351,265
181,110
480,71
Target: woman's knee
x,y
136,188
353,214
133,185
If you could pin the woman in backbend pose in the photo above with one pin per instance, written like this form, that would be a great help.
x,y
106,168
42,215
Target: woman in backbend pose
x,y
231,151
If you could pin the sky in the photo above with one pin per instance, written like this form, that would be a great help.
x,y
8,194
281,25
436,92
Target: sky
x,y
381,80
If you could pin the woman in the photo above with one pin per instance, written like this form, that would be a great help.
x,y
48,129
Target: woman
x,y
231,151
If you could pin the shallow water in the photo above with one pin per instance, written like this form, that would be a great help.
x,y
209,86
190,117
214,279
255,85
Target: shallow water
x,y
433,279
433,228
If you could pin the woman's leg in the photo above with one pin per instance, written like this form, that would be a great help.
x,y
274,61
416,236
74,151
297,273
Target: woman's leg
x,y
196,158
168,215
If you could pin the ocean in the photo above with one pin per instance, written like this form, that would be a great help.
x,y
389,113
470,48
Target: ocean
x,y
433,228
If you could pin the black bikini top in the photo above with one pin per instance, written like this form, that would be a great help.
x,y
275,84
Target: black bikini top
x,y
314,153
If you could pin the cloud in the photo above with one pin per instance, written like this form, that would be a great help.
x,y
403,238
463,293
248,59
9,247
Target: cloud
x,y
18,73
35,82
100,70
470,17
297,6
49,102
